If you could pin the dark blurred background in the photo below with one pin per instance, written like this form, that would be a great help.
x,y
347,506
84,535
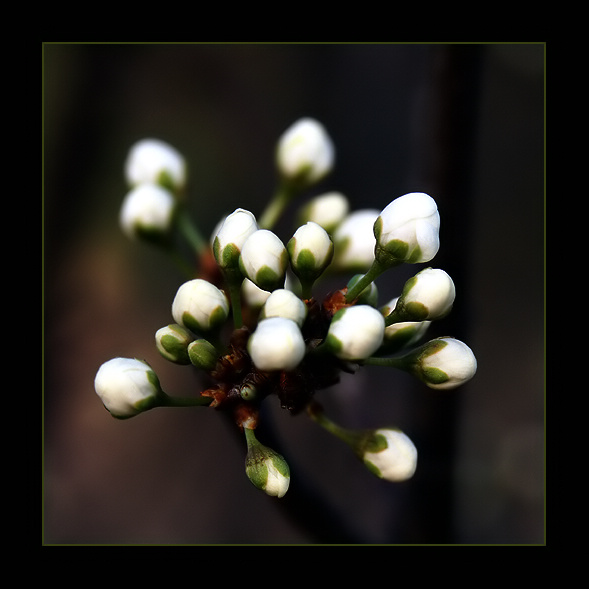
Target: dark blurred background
x,y
464,123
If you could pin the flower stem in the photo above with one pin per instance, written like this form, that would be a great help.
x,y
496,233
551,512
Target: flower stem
x,y
393,317
315,411
374,272
235,296
189,231
275,207
398,362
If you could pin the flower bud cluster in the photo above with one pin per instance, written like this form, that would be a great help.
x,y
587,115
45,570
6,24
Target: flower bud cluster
x,y
156,174
257,327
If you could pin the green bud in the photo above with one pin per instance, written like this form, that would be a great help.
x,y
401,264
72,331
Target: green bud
x,y
172,343
203,354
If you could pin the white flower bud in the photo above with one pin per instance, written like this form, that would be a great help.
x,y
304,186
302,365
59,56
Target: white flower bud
x,y
265,468
232,234
154,161
444,363
253,295
428,295
127,387
305,153
276,344
355,333
327,210
310,250
172,343
200,306
407,230
354,241
391,455
147,212
264,260
284,303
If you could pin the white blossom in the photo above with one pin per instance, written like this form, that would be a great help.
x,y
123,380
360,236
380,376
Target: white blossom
x,y
155,161
147,211
327,210
407,230
397,461
284,303
310,250
232,234
276,344
428,295
354,241
445,363
356,332
127,386
264,260
253,295
305,152
200,306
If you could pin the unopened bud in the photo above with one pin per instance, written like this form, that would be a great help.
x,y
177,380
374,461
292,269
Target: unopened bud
x,y
327,210
200,306
127,387
203,354
310,250
276,344
264,260
231,236
407,230
428,295
284,303
172,343
354,241
156,162
389,454
355,333
443,363
265,468
305,153
147,213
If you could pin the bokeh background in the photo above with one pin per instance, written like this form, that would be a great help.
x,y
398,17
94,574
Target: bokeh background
x,y
463,122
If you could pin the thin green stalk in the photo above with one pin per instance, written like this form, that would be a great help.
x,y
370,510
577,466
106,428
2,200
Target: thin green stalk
x,y
392,317
275,207
189,231
373,273
235,296
398,362
316,413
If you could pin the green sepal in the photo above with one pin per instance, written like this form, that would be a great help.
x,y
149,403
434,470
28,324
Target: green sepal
x,y
433,375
